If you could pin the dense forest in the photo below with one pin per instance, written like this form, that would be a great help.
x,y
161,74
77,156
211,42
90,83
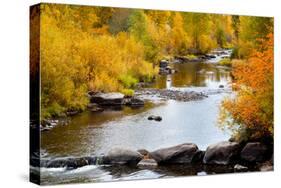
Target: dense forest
x,y
110,49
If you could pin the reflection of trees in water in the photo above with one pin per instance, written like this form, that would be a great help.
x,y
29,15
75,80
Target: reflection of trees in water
x,y
210,78
217,77
169,81
160,82
193,74
187,75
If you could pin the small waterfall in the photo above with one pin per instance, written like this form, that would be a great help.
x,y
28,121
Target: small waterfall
x,y
71,162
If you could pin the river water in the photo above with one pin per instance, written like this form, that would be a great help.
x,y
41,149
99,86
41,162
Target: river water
x,y
183,122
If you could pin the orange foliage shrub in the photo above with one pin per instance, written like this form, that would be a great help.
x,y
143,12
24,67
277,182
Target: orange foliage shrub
x,y
250,113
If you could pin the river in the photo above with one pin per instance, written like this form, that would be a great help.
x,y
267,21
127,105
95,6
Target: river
x,y
96,133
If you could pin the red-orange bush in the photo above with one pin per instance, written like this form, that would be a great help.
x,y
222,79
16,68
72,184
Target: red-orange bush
x,y
250,113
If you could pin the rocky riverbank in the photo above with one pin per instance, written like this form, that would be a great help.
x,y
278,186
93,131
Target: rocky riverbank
x,y
240,157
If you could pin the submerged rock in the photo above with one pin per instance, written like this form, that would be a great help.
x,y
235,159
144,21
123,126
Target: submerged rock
x,y
122,156
254,152
181,154
222,153
155,118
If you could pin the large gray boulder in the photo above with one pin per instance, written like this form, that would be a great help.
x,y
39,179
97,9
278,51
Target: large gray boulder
x,y
222,153
181,154
254,152
122,156
107,99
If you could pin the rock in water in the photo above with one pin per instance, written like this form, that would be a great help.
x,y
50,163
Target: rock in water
x,y
222,153
156,118
254,152
107,99
122,156
181,154
151,117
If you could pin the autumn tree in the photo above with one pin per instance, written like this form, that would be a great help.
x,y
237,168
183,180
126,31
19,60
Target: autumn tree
x,y
198,27
78,54
250,114
223,31
251,29
179,38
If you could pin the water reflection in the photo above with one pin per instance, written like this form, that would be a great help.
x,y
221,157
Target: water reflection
x,y
194,75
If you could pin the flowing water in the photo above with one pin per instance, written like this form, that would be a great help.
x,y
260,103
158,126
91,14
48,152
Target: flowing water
x,y
96,133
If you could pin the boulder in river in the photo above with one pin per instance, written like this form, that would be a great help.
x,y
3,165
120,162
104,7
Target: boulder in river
x,y
181,154
107,99
155,118
254,152
122,156
222,153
